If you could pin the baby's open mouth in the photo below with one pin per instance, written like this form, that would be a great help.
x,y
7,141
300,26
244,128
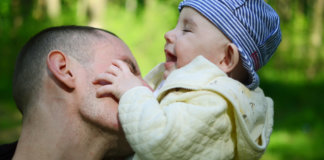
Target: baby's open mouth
x,y
170,57
170,64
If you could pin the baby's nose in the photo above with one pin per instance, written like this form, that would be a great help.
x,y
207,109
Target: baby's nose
x,y
169,36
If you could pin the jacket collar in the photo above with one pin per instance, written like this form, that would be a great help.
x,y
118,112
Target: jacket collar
x,y
194,75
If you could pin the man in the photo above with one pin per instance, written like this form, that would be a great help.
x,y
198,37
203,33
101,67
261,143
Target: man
x,y
53,88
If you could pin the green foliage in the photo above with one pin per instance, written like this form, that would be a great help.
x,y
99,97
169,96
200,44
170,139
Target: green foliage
x,y
298,120
298,125
4,8
144,32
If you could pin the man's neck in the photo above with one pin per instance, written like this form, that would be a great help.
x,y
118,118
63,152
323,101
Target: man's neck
x,y
54,137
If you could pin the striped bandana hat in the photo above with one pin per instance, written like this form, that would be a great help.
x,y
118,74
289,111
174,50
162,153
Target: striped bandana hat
x,y
252,25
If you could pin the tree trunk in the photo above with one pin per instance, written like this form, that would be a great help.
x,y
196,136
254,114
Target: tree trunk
x,y
82,8
38,12
131,5
53,8
97,12
315,37
17,17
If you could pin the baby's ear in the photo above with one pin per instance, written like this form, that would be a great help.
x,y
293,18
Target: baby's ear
x,y
59,65
230,59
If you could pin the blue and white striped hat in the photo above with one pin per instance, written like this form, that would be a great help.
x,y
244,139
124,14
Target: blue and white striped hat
x,y
252,25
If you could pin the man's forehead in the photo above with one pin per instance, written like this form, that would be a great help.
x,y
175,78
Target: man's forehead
x,y
106,51
110,45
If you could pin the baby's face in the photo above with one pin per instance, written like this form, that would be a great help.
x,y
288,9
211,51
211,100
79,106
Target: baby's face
x,y
194,35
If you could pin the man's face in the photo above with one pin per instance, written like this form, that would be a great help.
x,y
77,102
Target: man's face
x,y
103,111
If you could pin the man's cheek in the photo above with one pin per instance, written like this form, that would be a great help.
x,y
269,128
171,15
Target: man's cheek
x,y
103,115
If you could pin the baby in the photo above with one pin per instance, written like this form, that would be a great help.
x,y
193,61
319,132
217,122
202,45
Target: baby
x,y
205,102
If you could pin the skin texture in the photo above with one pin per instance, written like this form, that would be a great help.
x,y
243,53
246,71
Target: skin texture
x,y
68,121
194,35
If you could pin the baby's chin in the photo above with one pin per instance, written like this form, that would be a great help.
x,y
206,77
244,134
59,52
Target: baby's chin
x,y
169,67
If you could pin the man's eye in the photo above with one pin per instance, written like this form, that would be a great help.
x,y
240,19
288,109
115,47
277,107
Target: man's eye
x,y
132,68
186,30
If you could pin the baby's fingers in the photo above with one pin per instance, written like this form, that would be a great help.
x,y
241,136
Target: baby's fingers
x,y
105,91
104,78
121,65
114,70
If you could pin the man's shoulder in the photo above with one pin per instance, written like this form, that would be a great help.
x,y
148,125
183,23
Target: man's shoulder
x,y
7,150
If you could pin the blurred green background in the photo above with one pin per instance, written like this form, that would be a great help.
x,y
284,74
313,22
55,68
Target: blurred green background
x,y
294,77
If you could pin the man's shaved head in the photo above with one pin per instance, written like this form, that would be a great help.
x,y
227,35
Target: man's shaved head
x,y
74,41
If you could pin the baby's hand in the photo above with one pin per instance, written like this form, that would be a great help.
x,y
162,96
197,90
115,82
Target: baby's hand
x,y
169,67
117,80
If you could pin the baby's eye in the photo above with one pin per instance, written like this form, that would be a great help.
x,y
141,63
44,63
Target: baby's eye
x,y
186,30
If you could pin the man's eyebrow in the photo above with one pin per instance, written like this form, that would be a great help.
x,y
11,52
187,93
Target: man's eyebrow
x,y
132,66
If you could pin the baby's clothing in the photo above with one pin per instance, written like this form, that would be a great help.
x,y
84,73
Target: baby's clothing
x,y
158,88
200,113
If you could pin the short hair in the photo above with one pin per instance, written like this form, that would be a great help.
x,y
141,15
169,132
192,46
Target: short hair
x,y
75,41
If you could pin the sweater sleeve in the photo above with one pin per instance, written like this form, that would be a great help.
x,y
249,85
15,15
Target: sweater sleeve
x,y
184,125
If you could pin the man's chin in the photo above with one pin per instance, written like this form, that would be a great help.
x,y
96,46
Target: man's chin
x,y
121,151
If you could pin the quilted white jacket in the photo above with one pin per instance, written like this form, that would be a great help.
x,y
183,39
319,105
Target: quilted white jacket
x,y
200,113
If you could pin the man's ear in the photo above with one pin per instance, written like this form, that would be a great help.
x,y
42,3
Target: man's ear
x,y
230,59
60,66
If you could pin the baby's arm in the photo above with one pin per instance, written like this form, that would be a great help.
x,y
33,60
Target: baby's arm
x,y
117,79
184,125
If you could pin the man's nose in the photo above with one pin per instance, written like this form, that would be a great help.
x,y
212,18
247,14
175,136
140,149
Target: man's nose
x,y
169,36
